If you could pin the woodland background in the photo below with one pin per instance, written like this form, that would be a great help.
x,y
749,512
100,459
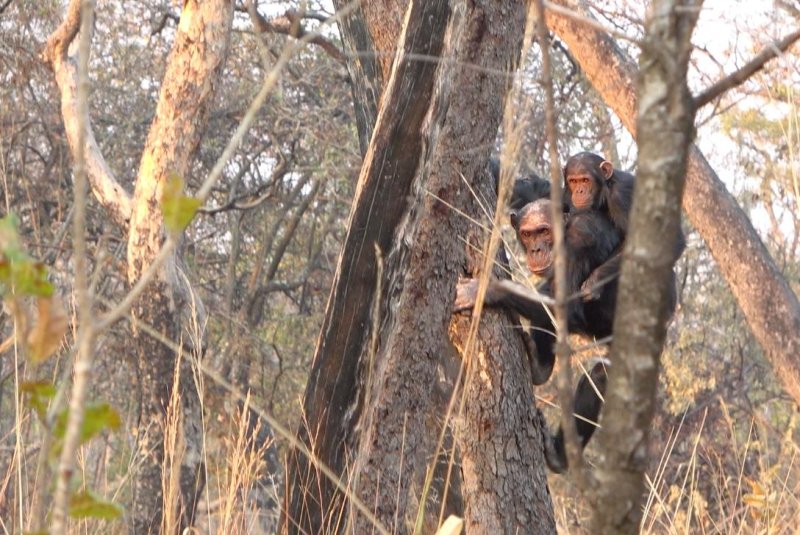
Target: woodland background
x,y
261,255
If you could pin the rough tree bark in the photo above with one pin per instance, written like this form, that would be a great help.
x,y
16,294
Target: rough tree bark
x,y
427,142
396,442
332,399
498,435
366,78
665,126
193,70
771,308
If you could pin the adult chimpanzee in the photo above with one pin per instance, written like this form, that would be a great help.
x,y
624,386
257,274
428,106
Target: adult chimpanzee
x,y
590,239
525,190
592,184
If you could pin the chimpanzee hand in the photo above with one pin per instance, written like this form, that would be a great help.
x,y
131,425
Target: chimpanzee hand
x,y
590,290
466,295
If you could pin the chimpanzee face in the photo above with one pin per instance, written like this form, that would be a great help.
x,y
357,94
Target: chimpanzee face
x,y
534,232
583,189
585,176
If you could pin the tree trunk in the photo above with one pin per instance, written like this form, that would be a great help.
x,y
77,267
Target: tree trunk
x,y
500,442
422,150
169,481
770,306
369,35
398,425
333,393
665,126
193,70
366,79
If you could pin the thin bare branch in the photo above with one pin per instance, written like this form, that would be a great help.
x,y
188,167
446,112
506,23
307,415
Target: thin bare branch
x,y
563,352
83,358
793,10
101,179
290,24
772,50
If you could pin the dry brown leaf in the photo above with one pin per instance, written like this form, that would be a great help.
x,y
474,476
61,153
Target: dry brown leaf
x,y
49,328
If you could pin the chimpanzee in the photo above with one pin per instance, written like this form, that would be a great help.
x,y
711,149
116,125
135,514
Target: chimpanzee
x,y
590,239
526,190
592,184
587,411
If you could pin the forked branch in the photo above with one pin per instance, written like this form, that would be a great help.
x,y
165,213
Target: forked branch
x,y
102,181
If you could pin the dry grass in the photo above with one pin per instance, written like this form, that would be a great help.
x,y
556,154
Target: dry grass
x,y
703,483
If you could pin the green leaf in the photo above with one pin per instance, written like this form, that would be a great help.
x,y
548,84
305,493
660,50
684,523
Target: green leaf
x,y
19,274
27,277
9,233
96,418
178,209
40,393
87,504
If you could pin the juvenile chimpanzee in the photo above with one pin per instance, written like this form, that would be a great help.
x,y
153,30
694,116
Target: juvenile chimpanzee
x,y
590,238
592,184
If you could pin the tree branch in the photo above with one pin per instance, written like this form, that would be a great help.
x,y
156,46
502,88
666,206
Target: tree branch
x,y
103,183
772,50
766,299
85,338
563,353
290,24
665,126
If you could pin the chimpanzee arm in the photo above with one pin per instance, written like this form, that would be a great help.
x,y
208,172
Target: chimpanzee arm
x,y
592,287
595,250
524,301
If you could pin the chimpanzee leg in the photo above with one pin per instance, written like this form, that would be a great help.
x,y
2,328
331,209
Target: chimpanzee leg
x,y
542,356
587,409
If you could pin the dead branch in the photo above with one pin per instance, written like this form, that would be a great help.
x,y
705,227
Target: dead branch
x,y
772,50
291,24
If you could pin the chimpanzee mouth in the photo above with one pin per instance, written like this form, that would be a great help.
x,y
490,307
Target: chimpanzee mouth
x,y
539,261
581,202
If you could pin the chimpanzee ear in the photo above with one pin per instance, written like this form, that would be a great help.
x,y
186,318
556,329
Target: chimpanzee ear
x,y
514,217
606,169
